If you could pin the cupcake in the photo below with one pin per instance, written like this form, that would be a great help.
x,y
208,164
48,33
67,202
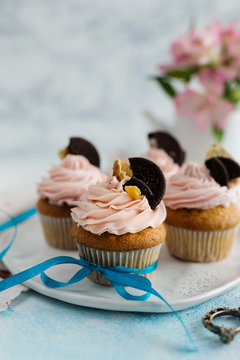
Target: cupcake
x,y
66,183
202,216
120,222
166,152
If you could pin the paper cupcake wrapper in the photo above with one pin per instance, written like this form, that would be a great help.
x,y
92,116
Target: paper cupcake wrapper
x,y
202,246
135,259
57,232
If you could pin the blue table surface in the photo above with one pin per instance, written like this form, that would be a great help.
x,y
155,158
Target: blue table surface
x,y
38,327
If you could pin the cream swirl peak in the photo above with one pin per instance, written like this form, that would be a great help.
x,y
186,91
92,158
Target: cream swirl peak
x,y
162,160
69,181
194,188
108,208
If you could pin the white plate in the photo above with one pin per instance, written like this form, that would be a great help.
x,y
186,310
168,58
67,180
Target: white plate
x,y
182,284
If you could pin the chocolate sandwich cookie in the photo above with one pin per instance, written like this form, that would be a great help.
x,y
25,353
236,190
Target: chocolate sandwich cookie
x,y
165,141
80,146
223,169
148,177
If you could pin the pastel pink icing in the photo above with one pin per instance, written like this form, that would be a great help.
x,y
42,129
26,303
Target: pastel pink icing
x,y
108,208
163,160
194,188
69,181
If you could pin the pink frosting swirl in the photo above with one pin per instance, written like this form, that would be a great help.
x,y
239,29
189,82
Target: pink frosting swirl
x,y
69,181
108,208
194,188
163,160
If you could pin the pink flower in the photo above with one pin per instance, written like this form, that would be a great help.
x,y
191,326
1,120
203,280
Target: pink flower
x,y
203,108
220,109
196,49
214,79
216,45
230,37
191,104
212,43
228,73
213,57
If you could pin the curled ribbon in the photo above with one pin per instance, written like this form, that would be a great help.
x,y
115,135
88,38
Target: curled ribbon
x,y
13,222
119,276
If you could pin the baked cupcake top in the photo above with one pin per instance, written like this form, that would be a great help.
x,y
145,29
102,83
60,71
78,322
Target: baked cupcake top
x,y
163,160
124,203
195,188
69,181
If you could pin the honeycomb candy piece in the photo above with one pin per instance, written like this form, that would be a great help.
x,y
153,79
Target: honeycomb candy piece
x,y
122,170
62,153
133,191
217,150
234,182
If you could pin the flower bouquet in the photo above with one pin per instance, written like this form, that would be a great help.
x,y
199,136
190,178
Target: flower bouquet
x,y
207,65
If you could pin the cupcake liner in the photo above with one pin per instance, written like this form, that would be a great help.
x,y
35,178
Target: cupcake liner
x,y
135,259
57,231
201,246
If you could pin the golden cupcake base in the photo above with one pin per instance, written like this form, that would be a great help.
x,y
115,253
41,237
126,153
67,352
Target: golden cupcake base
x,y
138,259
200,246
57,232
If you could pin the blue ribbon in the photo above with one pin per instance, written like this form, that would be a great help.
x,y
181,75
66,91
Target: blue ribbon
x,y
12,222
119,276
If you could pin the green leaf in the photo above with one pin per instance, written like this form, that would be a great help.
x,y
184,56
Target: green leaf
x,y
227,91
217,133
235,95
232,91
164,82
237,80
184,74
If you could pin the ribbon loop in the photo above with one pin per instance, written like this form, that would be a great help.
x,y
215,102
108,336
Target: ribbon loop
x,y
119,276
80,275
12,222
123,293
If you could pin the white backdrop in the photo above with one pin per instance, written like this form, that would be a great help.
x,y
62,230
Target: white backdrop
x,y
81,68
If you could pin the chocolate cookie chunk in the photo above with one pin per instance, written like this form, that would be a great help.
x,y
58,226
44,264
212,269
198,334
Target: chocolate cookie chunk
x,y
232,166
80,146
165,141
218,171
150,174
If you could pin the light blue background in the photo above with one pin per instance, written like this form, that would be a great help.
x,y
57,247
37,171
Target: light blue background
x,y
81,67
